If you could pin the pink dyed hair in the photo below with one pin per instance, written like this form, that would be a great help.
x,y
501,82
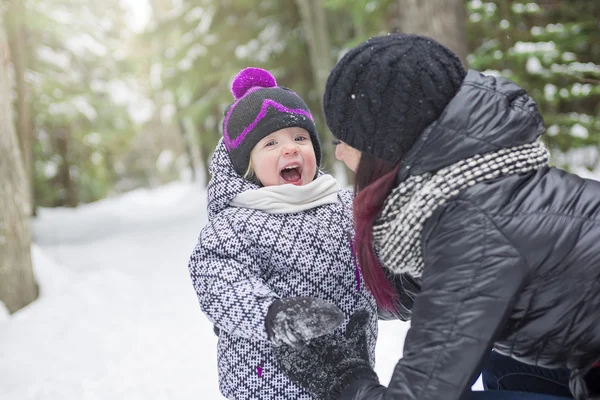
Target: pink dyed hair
x,y
373,183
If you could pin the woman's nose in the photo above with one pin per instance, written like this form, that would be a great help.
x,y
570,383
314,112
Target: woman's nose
x,y
339,152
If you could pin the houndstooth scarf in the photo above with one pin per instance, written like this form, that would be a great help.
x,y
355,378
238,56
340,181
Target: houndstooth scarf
x,y
397,231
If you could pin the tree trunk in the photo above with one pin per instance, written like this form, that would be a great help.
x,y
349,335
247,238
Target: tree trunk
x,y
66,181
205,147
189,146
314,23
205,154
187,137
17,35
17,284
442,20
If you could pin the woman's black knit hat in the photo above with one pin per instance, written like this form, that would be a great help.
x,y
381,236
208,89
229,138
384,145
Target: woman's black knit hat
x,y
382,94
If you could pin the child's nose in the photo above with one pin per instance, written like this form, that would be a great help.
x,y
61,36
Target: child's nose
x,y
290,149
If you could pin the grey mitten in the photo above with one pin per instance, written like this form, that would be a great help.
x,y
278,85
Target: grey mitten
x,y
329,364
296,320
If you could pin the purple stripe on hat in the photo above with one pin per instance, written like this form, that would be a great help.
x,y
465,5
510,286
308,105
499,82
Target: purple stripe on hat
x,y
232,144
226,138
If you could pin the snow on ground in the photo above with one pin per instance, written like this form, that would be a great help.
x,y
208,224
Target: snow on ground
x,y
117,317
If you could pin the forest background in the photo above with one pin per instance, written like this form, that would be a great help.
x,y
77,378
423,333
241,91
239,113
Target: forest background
x,y
101,98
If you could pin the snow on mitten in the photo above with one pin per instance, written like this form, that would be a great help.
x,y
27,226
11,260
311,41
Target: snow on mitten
x,y
329,364
295,320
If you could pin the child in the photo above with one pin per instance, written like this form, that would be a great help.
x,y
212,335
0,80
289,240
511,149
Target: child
x,y
278,242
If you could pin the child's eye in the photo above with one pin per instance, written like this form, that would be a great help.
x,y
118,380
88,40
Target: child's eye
x,y
270,143
301,138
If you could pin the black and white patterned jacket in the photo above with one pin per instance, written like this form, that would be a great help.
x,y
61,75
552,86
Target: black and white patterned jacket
x,y
245,259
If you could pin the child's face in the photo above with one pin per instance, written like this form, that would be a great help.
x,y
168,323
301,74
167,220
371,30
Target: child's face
x,y
285,157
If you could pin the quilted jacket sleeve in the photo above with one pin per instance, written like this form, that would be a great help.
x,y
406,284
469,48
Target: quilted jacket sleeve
x,y
471,275
406,288
227,280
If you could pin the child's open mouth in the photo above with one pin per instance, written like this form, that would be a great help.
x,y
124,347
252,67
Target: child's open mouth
x,y
292,174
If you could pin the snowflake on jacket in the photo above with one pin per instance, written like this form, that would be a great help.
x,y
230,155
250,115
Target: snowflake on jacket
x,y
245,259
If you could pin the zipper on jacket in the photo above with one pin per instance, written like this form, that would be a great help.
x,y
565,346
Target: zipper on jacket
x,y
356,270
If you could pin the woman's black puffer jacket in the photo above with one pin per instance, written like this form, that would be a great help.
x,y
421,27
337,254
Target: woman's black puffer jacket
x,y
511,264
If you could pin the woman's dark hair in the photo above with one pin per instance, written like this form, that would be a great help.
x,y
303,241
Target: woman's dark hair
x,y
373,183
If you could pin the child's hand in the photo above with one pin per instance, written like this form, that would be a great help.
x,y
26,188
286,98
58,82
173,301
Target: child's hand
x,y
296,320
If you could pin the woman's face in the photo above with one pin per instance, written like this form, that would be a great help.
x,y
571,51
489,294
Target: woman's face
x,y
348,155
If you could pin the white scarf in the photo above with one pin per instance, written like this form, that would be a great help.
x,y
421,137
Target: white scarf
x,y
288,199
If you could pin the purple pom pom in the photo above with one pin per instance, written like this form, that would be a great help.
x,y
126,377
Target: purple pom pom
x,y
249,78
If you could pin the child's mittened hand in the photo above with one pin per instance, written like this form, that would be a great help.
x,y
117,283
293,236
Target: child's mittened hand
x,y
296,320
329,364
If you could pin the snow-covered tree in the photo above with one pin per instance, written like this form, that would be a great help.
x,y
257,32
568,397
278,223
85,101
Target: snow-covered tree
x,y
552,49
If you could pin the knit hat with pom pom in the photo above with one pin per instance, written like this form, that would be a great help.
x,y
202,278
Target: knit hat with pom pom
x,y
261,108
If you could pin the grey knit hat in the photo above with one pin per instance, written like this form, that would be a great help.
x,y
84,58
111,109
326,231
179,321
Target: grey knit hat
x,y
261,108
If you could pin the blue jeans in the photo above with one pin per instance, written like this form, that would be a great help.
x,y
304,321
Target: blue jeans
x,y
505,373
509,395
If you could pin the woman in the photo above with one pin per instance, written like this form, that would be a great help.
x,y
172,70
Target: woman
x,y
453,188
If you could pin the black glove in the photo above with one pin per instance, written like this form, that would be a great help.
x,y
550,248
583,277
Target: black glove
x,y
592,381
407,288
329,364
295,320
